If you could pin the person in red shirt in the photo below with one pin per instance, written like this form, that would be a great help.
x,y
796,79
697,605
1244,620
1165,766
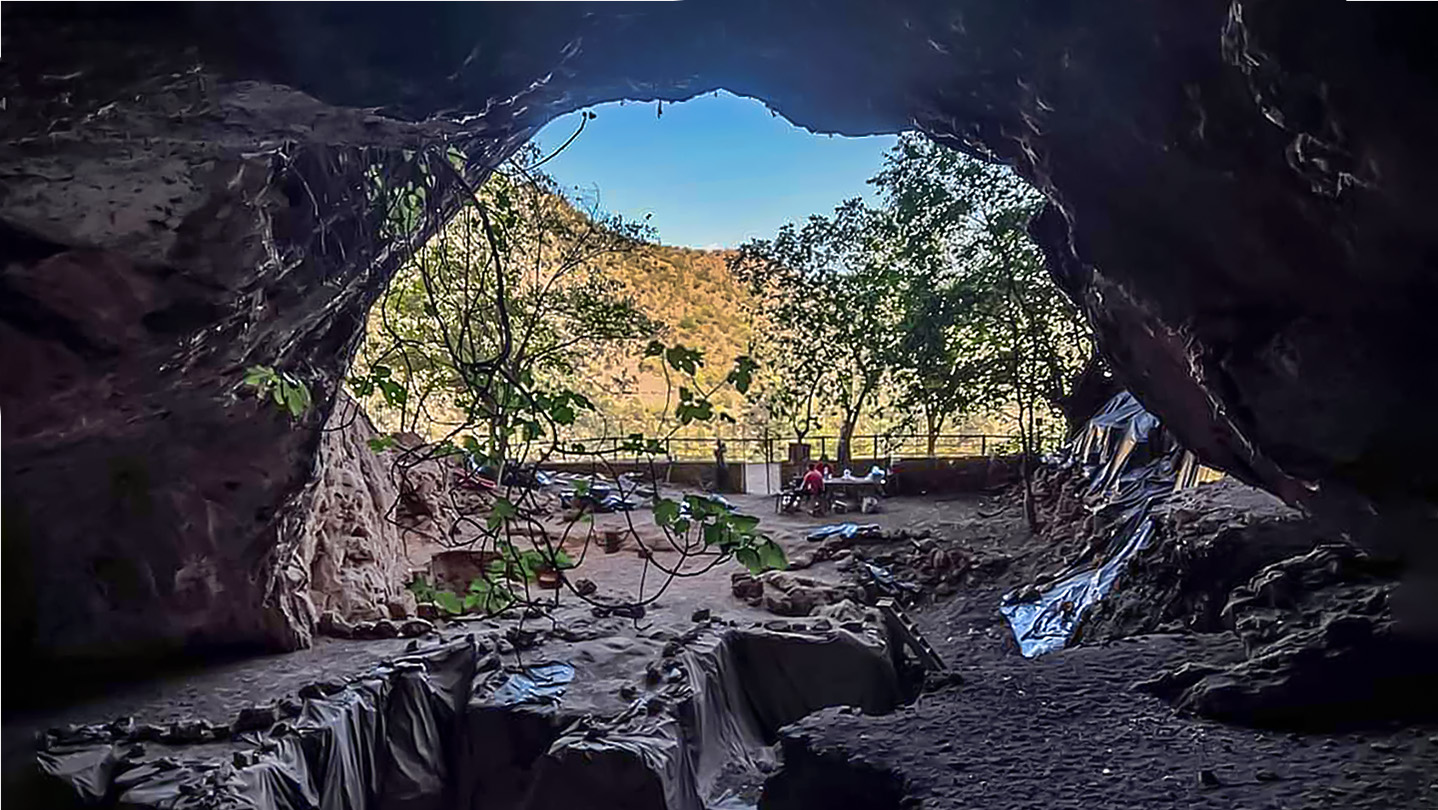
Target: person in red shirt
x,y
813,485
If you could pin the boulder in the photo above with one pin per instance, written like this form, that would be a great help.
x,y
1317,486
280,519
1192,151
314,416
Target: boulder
x,y
1323,650
333,624
1206,541
414,628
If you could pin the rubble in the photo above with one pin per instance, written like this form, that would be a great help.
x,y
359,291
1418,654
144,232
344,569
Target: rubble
x,y
1322,650
1206,541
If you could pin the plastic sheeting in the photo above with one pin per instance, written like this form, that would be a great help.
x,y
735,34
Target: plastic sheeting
x,y
415,735
541,684
599,498
846,530
1127,475
742,687
385,742
1045,625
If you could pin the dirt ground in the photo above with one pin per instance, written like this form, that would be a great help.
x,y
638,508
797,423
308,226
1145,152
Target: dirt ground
x,y
1061,731
1066,730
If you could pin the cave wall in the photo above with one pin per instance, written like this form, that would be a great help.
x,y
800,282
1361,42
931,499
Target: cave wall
x,y
1239,200
161,235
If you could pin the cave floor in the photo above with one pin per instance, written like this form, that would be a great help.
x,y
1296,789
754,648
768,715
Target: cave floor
x,y
1066,731
1061,731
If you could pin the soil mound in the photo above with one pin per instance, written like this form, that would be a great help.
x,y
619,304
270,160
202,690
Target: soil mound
x,y
1206,541
1323,650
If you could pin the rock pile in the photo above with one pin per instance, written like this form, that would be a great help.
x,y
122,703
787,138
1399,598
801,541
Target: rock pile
x,y
1206,541
1323,650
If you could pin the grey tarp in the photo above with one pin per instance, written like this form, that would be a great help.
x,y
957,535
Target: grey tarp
x,y
385,741
741,686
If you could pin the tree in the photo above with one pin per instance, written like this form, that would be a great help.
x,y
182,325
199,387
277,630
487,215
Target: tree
x,y
506,298
992,330
937,381
829,297
476,341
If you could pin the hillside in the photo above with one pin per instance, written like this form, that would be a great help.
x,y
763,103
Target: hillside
x,y
690,295
700,304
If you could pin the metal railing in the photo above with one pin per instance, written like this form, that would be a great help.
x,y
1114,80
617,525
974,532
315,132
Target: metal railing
x,y
772,449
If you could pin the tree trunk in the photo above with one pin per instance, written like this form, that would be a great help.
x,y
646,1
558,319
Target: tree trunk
x,y
1026,470
846,437
933,424
846,428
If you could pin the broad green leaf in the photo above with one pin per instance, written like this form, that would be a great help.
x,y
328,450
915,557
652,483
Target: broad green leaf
x,y
449,602
259,376
666,512
562,414
771,556
715,535
744,524
749,558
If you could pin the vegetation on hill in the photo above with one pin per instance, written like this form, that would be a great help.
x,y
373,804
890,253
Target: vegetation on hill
x,y
928,313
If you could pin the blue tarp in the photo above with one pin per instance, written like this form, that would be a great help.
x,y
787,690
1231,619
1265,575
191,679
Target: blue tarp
x,y
1045,625
849,530
541,684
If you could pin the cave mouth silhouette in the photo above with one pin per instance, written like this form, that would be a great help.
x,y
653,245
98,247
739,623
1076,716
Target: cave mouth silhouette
x,y
1239,200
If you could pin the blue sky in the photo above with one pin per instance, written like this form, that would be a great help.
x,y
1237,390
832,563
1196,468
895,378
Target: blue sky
x,y
713,171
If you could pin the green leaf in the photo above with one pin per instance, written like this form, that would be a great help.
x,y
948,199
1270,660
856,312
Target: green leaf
x,y
449,602
666,512
682,358
771,556
654,349
715,534
562,414
260,376
744,524
743,374
749,558
503,508
394,393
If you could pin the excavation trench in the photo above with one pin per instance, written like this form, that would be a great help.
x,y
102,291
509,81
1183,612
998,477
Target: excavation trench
x,y
449,726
